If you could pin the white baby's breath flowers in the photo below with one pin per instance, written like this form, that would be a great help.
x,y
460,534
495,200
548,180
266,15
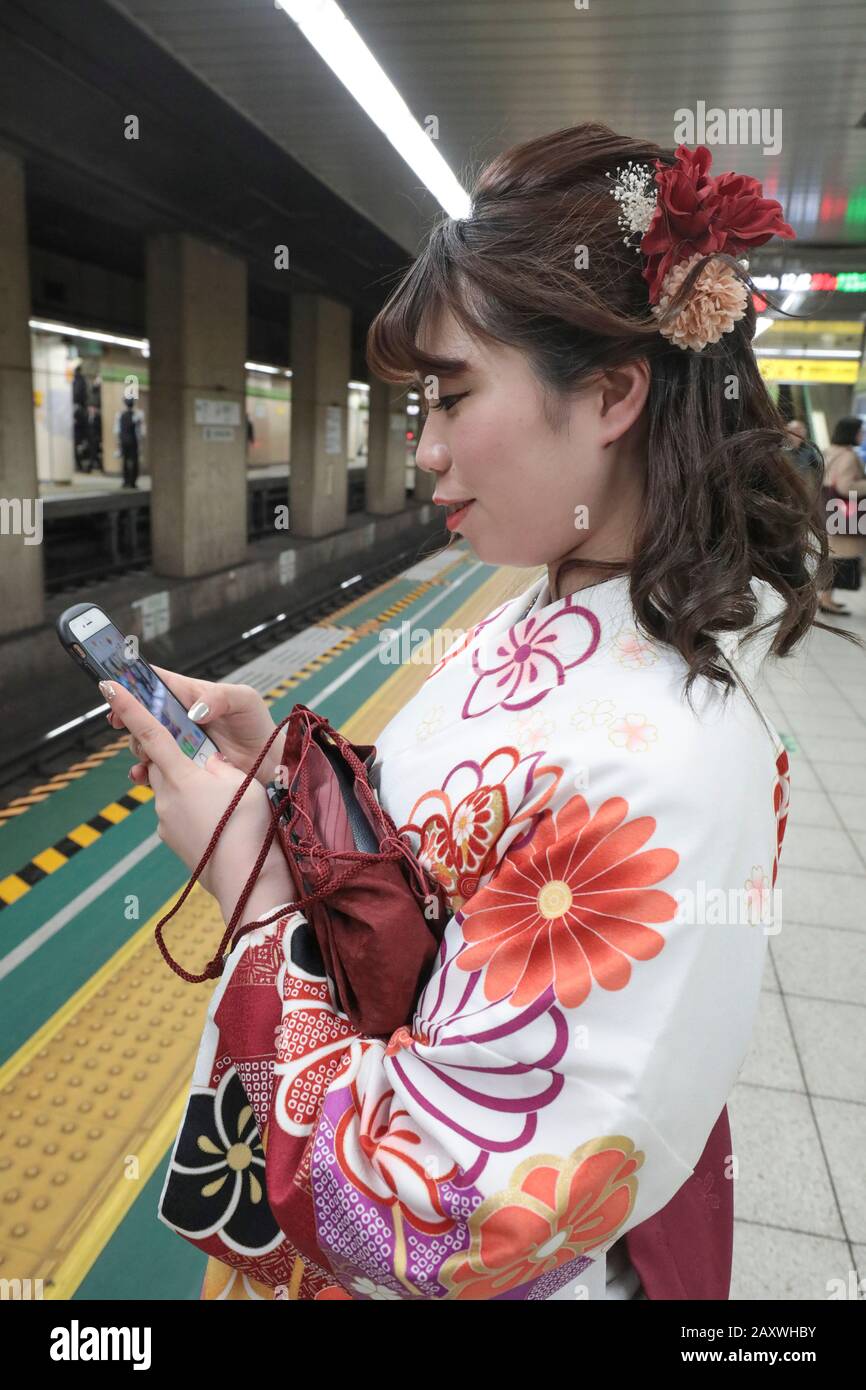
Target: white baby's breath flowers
x,y
634,188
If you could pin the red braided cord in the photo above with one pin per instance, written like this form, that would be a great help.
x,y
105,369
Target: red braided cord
x,y
215,965
392,847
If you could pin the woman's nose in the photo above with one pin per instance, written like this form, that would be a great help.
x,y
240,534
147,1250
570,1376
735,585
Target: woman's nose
x,y
434,457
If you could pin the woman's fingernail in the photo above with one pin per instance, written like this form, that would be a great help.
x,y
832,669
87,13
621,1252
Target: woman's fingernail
x,y
107,689
199,710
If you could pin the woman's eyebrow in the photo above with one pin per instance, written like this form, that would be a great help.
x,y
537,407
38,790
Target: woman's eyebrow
x,y
420,383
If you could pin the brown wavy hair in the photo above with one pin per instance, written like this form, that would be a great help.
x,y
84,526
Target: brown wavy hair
x,y
724,500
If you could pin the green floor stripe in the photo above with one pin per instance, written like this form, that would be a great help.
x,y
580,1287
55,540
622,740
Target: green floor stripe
x,y
144,1260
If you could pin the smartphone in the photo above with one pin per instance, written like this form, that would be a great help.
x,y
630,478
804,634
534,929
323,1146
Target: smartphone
x,y
100,649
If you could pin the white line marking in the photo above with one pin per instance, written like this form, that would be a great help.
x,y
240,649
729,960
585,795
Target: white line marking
x,y
54,924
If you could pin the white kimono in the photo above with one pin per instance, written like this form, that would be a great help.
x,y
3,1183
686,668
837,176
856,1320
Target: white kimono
x,y
609,857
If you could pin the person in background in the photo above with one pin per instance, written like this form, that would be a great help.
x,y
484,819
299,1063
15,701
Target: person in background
x,y
80,438
806,455
809,460
94,425
129,431
844,477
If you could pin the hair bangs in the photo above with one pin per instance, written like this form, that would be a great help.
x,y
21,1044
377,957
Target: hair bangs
x,y
436,282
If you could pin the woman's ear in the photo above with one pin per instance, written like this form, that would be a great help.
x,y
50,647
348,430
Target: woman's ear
x,y
622,396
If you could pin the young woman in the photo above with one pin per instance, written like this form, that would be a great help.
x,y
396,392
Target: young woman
x,y
586,771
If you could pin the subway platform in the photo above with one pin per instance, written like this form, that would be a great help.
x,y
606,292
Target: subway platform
x,y
100,1036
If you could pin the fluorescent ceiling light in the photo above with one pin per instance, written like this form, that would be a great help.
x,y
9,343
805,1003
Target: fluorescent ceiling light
x,y
761,326
66,330
43,326
343,49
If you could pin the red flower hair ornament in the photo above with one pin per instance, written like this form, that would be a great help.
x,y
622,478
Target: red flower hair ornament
x,y
683,215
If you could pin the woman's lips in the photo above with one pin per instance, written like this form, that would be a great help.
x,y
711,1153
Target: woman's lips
x,y
453,519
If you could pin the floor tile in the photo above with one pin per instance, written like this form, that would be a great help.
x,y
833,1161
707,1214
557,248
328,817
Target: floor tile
x,y
782,1177
831,1043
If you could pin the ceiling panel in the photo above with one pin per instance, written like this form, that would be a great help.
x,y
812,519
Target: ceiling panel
x,y
495,72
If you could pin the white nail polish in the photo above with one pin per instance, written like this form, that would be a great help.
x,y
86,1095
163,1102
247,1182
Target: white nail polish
x,y
199,710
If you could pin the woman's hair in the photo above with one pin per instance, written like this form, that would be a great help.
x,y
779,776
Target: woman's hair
x,y
847,430
724,499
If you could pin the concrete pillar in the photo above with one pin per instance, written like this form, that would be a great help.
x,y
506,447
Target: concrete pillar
x,y
321,357
197,325
386,449
21,528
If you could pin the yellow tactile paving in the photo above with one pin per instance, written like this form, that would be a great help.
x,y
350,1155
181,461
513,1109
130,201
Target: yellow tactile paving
x,y
105,1080
92,1101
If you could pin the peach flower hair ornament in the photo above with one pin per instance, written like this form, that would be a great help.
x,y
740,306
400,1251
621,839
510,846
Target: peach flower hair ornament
x,y
683,215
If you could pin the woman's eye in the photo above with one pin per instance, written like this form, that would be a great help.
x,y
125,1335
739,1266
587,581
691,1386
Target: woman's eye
x,y
447,402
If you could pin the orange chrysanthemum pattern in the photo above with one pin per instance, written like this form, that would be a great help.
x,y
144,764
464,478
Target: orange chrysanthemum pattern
x,y
571,907
555,1210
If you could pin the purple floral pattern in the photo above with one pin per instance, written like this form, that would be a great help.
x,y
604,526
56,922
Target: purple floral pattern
x,y
532,658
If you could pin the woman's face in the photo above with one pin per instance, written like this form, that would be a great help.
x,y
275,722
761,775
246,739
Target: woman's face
x,y
538,493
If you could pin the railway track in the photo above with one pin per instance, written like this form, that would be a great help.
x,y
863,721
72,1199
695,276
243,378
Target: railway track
x,y
45,758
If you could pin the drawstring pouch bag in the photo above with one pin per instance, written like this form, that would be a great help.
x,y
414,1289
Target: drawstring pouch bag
x,y
376,913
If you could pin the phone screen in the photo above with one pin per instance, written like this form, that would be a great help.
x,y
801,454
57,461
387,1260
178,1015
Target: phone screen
x,y
106,649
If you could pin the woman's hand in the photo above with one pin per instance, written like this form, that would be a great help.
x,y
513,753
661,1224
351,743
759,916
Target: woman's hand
x,y
235,716
189,802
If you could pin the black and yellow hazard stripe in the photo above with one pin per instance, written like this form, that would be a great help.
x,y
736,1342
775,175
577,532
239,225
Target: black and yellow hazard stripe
x,y
14,886
20,804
